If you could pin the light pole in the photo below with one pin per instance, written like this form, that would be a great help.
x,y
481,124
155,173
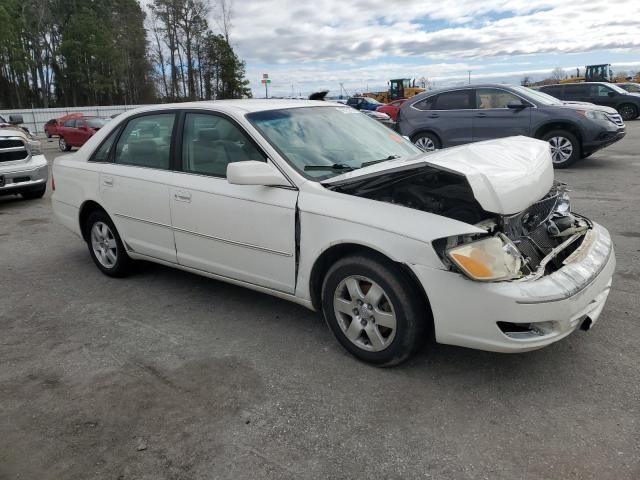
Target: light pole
x,y
469,76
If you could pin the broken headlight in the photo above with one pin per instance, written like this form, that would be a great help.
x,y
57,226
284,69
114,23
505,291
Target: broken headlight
x,y
490,259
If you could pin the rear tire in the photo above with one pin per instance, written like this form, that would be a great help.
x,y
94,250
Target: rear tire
x,y
628,111
374,310
565,148
34,194
427,141
106,247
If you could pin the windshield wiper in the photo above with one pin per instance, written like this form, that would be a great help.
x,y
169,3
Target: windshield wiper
x,y
340,167
372,162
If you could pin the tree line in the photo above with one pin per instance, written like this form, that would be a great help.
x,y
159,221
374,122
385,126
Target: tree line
x,y
109,52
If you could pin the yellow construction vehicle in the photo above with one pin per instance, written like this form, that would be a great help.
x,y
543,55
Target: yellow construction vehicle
x,y
398,88
592,73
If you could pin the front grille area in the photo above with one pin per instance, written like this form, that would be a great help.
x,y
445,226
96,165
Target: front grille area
x,y
529,220
12,149
615,118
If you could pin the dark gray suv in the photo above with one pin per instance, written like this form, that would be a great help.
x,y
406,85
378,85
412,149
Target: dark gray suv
x,y
454,116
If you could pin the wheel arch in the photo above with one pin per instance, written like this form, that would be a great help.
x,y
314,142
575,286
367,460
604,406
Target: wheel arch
x,y
426,130
86,209
334,253
559,125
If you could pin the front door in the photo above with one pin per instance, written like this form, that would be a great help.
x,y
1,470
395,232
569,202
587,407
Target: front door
x,y
135,186
243,232
494,119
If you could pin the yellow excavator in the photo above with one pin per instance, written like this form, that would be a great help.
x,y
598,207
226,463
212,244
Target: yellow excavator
x,y
398,88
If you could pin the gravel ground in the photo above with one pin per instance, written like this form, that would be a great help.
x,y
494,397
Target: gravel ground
x,y
167,375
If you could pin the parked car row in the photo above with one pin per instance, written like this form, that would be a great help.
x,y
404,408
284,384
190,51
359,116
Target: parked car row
x,y
455,116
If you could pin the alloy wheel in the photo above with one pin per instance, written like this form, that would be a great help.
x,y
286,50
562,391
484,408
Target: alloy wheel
x,y
364,313
561,149
627,112
62,144
104,244
425,144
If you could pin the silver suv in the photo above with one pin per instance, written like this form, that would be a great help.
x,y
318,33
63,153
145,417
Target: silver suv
x,y
23,167
453,116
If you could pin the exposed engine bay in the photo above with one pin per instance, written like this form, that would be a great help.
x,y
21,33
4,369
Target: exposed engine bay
x,y
543,235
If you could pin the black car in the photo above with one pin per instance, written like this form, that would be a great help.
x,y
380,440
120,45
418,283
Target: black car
x,y
600,93
454,116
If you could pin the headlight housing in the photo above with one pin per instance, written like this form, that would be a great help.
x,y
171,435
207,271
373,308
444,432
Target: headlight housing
x,y
34,147
594,115
489,259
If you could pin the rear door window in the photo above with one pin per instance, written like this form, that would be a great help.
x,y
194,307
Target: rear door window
x,y
576,91
456,100
426,104
146,141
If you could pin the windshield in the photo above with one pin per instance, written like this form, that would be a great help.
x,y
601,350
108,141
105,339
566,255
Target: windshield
x,y
616,88
96,122
322,142
538,96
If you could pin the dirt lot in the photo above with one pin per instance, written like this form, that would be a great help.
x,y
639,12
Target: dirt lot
x,y
167,375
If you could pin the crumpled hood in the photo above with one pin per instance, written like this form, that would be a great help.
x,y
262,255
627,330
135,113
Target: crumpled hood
x,y
506,175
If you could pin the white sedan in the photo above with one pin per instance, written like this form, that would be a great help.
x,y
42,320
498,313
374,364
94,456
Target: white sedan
x,y
314,202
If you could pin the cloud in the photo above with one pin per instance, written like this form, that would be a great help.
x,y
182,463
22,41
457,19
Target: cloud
x,y
362,41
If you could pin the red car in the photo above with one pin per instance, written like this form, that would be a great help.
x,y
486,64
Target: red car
x,y
75,132
392,108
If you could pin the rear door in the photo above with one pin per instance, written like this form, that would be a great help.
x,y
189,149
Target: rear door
x,y
494,119
578,92
243,232
447,114
134,185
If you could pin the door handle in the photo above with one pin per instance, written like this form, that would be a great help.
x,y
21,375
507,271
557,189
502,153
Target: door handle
x,y
107,181
182,196
433,115
480,115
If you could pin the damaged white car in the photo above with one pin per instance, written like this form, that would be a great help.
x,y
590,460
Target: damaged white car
x,y
313,202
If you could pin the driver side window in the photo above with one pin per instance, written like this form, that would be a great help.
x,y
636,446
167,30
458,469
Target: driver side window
x,y
211,142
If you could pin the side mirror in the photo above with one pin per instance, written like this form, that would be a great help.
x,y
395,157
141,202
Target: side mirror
x,y
15,119
612,94
517,106
252,172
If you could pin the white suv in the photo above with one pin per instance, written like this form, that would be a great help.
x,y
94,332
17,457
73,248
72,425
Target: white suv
x,y
318,204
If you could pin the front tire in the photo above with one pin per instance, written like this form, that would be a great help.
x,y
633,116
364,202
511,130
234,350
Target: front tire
x,y
106,247
427,141
374,310
63,145
565,148
628,111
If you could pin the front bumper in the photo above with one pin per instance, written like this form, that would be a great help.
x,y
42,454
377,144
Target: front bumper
x,y
603,139
25,176
469,314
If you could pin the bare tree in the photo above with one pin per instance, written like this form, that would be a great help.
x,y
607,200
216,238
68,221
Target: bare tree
x,y
425,83
558,74
223,20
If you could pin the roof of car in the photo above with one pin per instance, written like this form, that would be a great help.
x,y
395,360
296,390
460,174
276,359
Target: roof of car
x,y
240,106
